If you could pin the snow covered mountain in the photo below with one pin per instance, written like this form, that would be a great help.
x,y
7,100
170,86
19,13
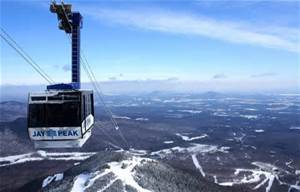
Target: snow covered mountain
x,y
123,171
225,143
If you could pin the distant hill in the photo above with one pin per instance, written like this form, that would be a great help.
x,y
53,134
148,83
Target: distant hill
x,y
211,94
12,110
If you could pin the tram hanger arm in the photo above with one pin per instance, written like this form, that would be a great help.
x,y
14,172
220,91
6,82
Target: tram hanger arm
x,y
62,12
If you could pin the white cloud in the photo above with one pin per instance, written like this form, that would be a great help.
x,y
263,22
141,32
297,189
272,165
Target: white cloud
x,y
67,67
189,24
112,78
219,76
263,75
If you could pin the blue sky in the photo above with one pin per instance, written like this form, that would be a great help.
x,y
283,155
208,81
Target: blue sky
x,y
240,44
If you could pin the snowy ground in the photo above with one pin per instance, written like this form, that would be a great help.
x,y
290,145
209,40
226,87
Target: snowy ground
x,y
193,148
43,155
187,138
197,165
263,176
122,171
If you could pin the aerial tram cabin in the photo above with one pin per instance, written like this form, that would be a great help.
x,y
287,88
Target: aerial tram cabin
x,y
60,118
63,115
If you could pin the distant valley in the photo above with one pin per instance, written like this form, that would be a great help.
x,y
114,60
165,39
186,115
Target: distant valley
x,y
247,142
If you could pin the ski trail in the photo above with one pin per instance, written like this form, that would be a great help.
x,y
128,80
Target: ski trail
x,y
197,165
108,185
43,155
261,183
93,179
122,171
271,180
79,182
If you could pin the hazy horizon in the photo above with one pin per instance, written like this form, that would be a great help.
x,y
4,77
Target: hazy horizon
x,y
20,92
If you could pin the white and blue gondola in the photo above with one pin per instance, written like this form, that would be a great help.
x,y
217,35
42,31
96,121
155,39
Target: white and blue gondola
x,y
60,118
63,115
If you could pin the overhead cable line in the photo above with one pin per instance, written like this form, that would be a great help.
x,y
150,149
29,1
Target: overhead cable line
x,y
13,44
100,92
106,108
112,142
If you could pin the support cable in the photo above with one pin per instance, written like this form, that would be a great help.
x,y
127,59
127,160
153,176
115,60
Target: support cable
x,y
13,44
99,93
107,110
112,141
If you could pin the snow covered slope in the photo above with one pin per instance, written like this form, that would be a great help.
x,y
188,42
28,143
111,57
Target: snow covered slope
x,y
123,171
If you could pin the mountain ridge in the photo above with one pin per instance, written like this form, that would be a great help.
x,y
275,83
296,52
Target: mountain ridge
x,y
122,171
